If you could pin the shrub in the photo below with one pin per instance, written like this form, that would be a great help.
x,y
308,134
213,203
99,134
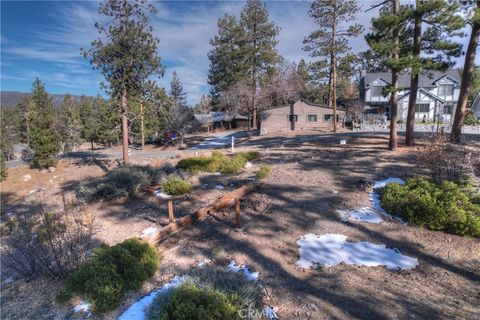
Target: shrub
x,y
113,270
190,302
263,172
177,187
217,162
239,292
470,120
442,206
46,242
3,167
123,181
446,161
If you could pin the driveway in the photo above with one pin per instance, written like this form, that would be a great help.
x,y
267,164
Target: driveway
x,y
221,140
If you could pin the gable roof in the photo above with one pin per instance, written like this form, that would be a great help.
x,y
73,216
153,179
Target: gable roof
x,y
206,118
427,79
319,105
425,92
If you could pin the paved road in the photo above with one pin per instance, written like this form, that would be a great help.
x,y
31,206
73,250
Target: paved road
x,y
220,141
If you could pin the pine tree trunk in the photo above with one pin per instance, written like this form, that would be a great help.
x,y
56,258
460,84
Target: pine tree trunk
x,y
467,75
142,129
393,97
417,38
333,74
254,78
123,103
334,95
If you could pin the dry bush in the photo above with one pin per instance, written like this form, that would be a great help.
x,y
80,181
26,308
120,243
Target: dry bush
x,y
51,243
445,161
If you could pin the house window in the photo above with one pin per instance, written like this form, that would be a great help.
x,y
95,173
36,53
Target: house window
x,y
293,118
448,109
329,117
312,118
376,91
422,107
445,90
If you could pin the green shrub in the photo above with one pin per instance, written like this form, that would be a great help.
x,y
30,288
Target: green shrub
x,y
217,162
123,181
189,302
111,271
3,167
441,206
239,292
177,187
263,172
250,155
470,120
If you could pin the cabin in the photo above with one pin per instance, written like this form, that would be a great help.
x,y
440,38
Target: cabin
x,y
220,121
301,115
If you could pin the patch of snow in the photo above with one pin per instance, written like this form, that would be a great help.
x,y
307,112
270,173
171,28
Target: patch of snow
x,y
233,267
8,280
27,177
382,183
365,214
331,249
32,191
218,173
83,306
160,194
205,186
149,231
203,262
137,310
219,187
334,191
248,165
270,313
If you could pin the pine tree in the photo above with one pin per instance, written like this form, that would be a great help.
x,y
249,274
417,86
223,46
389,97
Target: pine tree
x,y
226,60
442,23
126,53
371,61
89,119
387,30
43,137
259,49
473,9
69,124
24,109
176,91
330,41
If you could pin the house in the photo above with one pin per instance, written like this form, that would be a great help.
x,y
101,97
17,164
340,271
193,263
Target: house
x,y
302,115
437,94
220,120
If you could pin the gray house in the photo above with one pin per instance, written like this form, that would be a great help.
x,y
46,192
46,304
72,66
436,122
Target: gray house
x,y
437,94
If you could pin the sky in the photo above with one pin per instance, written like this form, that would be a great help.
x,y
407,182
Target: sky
x,y
43,39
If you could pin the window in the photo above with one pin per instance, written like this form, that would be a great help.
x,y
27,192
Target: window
x,y
376,91
422,107
445,90
312,118
329,117
448,109
293,118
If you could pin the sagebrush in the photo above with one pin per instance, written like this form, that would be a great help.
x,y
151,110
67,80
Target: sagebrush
x,y
263,172
177,187
443,206
218,162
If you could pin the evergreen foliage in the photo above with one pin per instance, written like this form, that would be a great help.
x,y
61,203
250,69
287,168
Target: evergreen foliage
x,y
43,137
69,123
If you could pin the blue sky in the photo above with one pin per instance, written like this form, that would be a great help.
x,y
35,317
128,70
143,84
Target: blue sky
x,y
43,38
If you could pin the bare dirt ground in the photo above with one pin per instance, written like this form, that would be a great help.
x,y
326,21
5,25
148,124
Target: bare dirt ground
x,y
297,198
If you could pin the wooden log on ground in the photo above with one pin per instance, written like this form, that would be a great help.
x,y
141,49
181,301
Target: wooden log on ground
x,y
226,200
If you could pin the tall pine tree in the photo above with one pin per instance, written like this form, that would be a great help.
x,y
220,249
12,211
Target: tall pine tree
x,y
176,91
432,48
43,137
69,124
259,49
473,19
330,41
126,52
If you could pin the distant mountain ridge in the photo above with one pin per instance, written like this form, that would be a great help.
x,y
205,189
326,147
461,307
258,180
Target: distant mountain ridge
x,y
9,99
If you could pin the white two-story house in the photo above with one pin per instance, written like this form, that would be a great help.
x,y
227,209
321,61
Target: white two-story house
x,y
437,94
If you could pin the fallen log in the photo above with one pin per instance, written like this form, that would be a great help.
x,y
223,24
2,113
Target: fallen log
x,y
226,200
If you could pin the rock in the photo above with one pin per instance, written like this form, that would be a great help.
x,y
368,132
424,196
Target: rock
x,y
51,169
27,177
248,165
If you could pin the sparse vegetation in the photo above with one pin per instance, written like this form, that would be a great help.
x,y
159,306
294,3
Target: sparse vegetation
x,y
217,162
111,271
443,206
3,167
264,172
177,187
207,289
123,181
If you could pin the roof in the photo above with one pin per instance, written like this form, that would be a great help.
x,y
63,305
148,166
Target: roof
x,y
426,79
206,118
425,92
320,105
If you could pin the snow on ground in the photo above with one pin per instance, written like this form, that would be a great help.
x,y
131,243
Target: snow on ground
x,y
365,214
137,310
160,194
233,267
375,197
84,307
382,183
149,231
332,249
